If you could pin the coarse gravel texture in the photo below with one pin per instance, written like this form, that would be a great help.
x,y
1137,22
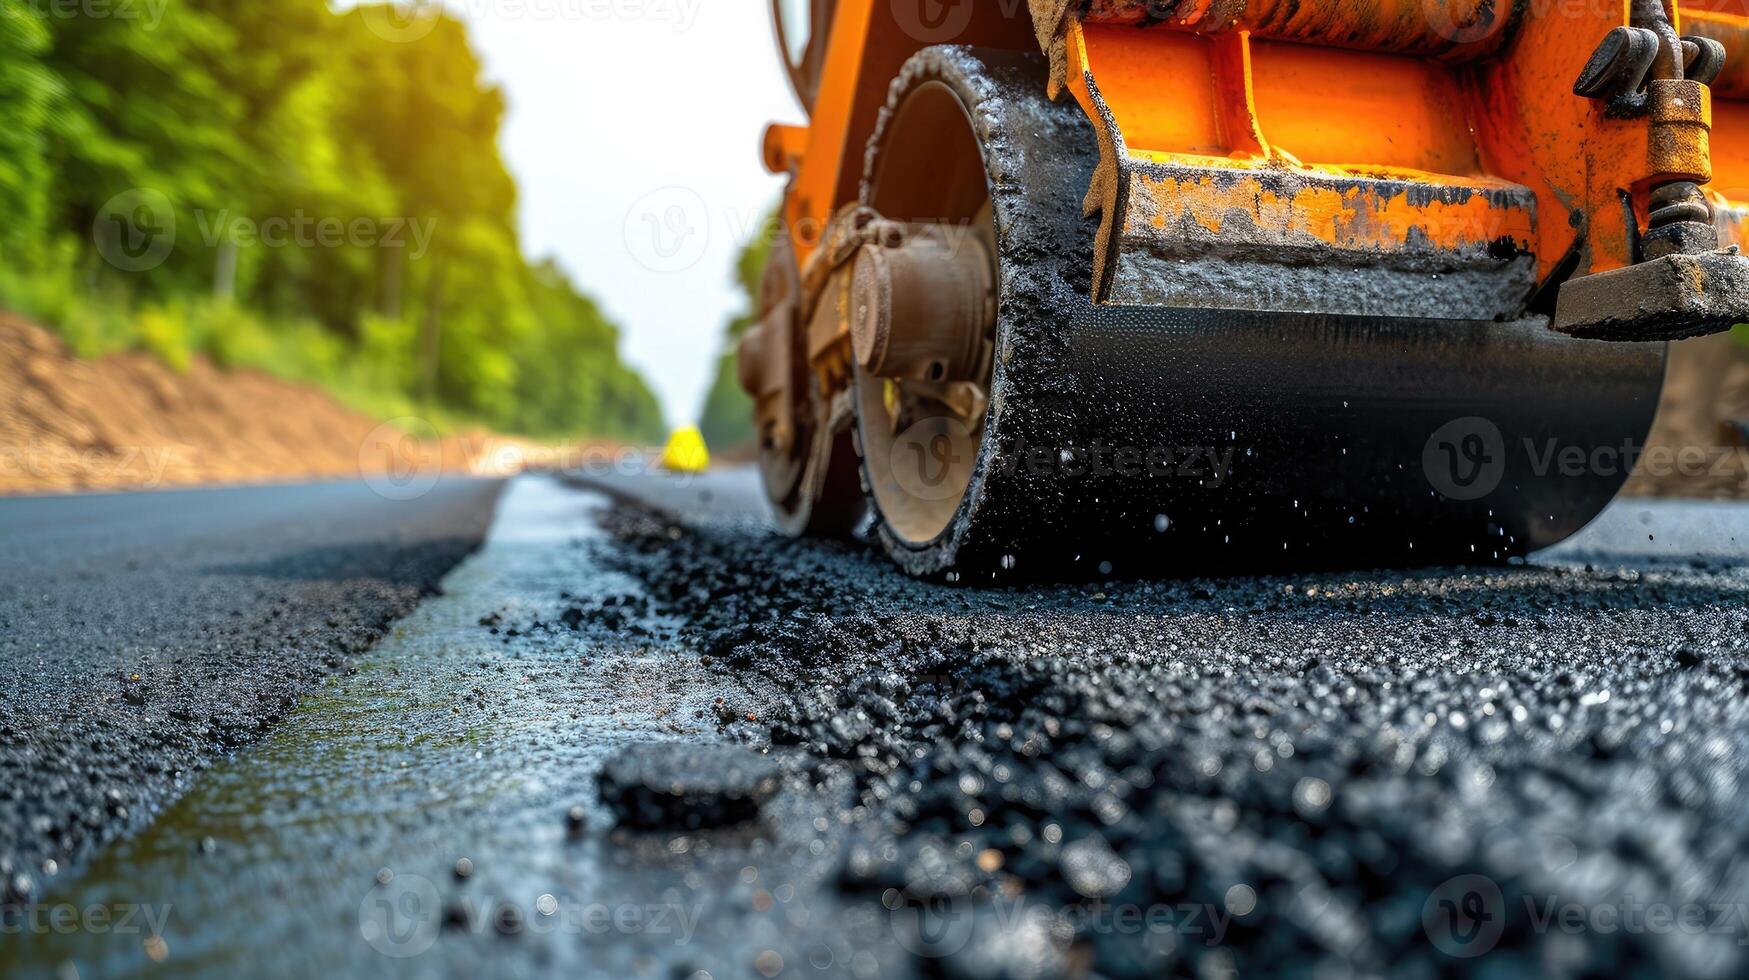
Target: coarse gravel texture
x,y
1445,772
1499,771
145,636
436,811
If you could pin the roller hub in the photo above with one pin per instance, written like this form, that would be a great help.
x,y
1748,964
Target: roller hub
x,y
924,306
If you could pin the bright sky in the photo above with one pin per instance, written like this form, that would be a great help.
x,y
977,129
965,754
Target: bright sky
x,y
634,134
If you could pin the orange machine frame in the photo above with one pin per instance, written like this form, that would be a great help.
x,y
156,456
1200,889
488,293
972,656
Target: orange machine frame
x,y
1471,124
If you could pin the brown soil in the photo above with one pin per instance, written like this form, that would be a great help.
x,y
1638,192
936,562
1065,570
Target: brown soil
x,y
1700,444
129,422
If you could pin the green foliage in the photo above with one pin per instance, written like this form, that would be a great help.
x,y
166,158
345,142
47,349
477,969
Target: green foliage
x,y
728,412
28,93
341,210
563,364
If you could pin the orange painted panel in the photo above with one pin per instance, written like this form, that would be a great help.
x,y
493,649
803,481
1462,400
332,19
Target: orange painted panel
x,y
1357,218
1731,149
1160,86
1362,109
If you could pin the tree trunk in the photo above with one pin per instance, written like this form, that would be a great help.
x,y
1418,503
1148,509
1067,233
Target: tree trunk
x,y
431,340
394,271
225,271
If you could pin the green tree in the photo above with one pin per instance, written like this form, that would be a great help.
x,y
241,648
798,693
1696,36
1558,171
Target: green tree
x,y
246,113
142,110
570,365
728,412
29,93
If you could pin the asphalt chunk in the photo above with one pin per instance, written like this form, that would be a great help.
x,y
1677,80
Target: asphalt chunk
x,y
673,786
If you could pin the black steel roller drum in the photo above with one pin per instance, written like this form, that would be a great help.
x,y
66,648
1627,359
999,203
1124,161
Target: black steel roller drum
x,y
1215,439
1197,440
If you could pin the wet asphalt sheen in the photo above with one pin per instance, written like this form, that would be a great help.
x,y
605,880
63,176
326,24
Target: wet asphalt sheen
x,y
144,635
331,765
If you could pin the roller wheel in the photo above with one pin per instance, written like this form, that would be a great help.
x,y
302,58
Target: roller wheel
x,y
1111,440
810,478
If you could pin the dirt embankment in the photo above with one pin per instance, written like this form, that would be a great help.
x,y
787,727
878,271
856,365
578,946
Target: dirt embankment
x,y
1700,444
129,422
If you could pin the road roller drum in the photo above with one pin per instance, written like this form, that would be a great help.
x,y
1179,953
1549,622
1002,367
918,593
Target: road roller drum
x,y
1114,287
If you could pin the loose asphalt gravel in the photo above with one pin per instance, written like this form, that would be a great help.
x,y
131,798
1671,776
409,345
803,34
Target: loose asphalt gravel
x,y
1529,770
1502,771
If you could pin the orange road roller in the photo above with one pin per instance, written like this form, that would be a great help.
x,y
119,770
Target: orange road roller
x,y
1079,287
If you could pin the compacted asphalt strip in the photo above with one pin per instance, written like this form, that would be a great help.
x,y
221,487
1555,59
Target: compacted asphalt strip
x,y
145,634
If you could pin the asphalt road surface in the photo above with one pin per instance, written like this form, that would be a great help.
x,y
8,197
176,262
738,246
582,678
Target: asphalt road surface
x,y
143,634
1528,770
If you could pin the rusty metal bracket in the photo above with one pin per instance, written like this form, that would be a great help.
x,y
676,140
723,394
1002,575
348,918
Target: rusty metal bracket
x,y
1618,68
1703,58
1680,143
1685,286
1670,298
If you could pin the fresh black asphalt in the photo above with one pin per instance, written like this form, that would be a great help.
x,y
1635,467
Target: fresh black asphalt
x,y
144,634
